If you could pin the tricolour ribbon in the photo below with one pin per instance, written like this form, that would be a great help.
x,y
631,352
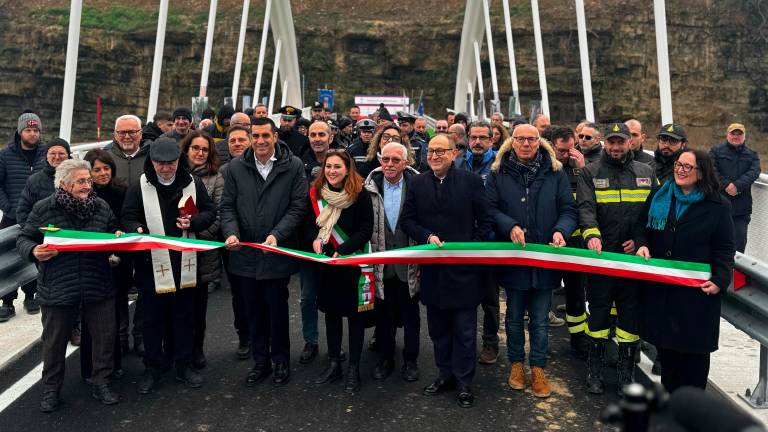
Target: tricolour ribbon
x,y
534,255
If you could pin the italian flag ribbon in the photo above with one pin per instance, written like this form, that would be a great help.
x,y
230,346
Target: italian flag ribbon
x,y
535,255
366,285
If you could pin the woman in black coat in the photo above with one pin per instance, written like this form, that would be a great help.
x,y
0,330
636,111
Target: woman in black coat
x,y
686,220
72,283
341,224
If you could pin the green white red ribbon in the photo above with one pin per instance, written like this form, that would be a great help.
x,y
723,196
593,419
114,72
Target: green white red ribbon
x,y
534,255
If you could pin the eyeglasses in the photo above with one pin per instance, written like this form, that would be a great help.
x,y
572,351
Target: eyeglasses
x,y
521,140
685,168
439,152
586,137
127,133
479,137
388,137
57,155
83,181
198,149
387,159
663,139
441,129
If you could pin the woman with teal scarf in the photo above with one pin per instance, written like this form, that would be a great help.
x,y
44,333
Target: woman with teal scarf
x,y
686,220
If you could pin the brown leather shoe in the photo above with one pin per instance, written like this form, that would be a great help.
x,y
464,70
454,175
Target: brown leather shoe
x,y
539,383
517,376
489,354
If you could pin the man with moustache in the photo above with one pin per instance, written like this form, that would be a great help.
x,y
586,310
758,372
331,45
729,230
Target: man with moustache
x,y
671,141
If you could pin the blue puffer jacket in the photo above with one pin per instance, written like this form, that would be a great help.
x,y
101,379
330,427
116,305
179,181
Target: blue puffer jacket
x,y
740,166
15,169
540,210
483,169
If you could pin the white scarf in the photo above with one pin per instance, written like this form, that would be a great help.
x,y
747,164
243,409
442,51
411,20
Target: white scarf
x,y
329,215
161,258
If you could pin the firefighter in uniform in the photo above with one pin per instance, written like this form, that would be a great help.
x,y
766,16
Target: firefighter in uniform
x,y
562,139
611,192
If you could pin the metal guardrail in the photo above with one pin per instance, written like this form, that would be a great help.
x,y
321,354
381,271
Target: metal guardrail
x,y
14,271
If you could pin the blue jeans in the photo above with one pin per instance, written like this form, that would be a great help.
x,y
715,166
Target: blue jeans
x,y
537,302
310,279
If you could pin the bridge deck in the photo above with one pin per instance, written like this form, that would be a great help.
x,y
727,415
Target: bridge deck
x,y
226,404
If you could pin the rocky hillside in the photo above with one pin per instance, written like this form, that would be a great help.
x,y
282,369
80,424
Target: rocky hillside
x,y
718,49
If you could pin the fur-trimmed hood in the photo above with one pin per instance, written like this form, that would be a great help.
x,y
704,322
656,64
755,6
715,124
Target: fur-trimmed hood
x,y
543,144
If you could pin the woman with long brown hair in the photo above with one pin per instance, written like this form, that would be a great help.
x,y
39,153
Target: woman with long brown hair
x,y
342,224
382,137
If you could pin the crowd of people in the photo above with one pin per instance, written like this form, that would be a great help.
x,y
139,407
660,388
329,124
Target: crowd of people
x,y
361,184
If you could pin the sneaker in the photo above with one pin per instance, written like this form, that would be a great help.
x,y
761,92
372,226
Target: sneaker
x,y
539,383
560,308
31,305
7,311
516,376
489,354
554,321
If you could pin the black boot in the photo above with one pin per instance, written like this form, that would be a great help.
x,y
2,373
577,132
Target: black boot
x,y
330,374
625,365
188,375
352,384
580,345
595,364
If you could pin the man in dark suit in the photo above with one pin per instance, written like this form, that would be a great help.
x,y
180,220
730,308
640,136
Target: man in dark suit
x,y
448,204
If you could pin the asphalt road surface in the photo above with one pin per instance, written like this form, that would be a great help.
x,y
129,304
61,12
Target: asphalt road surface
x,y
224,403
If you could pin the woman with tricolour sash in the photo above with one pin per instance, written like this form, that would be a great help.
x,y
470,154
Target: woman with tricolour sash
x,y
341,223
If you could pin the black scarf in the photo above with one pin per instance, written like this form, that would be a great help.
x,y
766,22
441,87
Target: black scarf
x,y
81,209
527,171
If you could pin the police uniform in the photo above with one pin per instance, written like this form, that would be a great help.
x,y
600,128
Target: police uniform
x,y
611,195
297,142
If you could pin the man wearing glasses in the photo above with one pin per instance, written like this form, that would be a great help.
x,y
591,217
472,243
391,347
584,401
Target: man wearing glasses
x,y
449,205
125,149
387,185
671,141
441,127
589,142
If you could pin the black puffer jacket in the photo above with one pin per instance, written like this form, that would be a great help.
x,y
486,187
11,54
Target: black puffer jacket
x,y
15,169
39,186
69,278
253,208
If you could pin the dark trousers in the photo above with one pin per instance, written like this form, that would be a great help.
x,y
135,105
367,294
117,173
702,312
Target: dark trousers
x,y
86,341
397,302
57,327
168,321
683,369
454,336
602,293
122,275
266,303
200,310
575,308
334,332
238,304
740,226
491,314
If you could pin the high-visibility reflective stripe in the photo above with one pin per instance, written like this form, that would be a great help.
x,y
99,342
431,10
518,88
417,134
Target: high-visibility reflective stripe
x,y
578,328
597,334
625,336
621,195
576,319
607,196
613,311
590,231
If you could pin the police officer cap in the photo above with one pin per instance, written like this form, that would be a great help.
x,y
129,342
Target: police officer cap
x,y
617,129
366,124
317,106
404,117
288,112
343,122
164,149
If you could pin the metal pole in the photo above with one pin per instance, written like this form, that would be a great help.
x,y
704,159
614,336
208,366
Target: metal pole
x,y
481,91
262,50
665,89
208,49
540,58
157,65
70,73
511,52
274,77
581,22
240,49
471,102
283,91
496,102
